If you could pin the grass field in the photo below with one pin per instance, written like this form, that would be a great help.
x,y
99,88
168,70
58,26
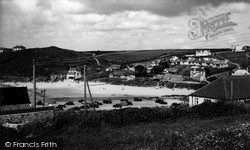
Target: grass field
x,y
144,128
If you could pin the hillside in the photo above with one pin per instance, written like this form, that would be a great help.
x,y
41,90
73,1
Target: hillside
x,y
50,60
55,61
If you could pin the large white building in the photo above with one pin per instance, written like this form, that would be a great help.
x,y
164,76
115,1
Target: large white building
x,y
203,53
74,74
18,48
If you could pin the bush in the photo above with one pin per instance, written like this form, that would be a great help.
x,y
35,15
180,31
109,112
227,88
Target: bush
x,y
209,109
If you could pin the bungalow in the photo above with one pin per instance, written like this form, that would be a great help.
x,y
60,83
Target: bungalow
x,y
226,88
113,67
240,72
123,74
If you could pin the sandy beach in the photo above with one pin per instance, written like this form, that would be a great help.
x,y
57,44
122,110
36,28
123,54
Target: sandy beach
x,y
99,89
74,91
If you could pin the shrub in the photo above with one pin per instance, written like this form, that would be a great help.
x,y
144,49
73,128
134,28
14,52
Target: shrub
x,y
209,109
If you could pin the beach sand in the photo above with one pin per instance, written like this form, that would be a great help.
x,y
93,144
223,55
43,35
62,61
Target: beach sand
x,y
99,89
74,91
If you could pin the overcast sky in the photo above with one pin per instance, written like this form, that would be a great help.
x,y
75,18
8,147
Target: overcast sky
x,y
117,24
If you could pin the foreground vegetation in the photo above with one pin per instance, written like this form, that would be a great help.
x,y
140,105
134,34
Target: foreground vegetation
x,y
207,126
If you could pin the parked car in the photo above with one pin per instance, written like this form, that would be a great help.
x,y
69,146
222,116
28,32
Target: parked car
x,y
39,103
93,105
125,102
60,107
107,101
75,108
175,104
81,101
87,107
117,106
160,101
69,103
98,103
137,99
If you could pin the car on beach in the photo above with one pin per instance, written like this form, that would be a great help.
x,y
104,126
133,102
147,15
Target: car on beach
x,y
137,99
117,106
125,102
160,100
107,101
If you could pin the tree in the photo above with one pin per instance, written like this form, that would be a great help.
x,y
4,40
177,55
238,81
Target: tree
x,y
141,71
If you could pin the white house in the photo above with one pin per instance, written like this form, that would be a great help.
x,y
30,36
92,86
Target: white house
x,y
203,53
73,74
198,73
237,48
239,72
18,48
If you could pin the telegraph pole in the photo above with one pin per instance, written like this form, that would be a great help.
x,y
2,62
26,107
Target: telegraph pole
x,y
90,95
34,82
85,96
44,97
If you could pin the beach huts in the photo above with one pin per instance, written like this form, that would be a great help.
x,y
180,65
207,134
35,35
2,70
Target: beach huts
x,y
227,89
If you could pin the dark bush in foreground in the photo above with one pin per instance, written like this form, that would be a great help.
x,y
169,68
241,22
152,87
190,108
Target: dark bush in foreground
x,y
209,109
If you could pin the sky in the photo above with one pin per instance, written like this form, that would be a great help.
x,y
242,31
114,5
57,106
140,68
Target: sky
x,y
85,25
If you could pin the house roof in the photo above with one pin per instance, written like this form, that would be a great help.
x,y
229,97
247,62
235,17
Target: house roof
x,y
223,88
14,95
123,72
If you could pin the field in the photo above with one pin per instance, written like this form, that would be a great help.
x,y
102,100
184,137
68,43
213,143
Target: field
x,y
144,128
236,57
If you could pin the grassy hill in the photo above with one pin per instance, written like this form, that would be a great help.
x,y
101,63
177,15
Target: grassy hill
x,y
55,60
49,60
